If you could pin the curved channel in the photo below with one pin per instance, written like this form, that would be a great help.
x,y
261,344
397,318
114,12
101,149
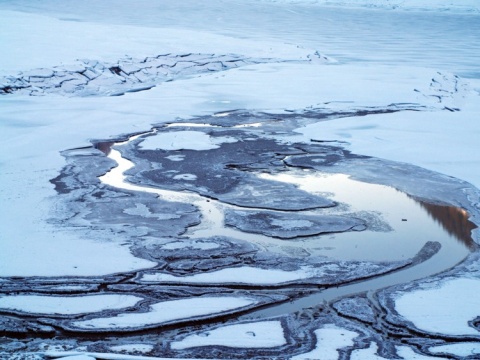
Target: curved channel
x,y
411,227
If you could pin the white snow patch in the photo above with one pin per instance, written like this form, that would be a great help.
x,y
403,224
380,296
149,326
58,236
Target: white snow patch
x,y
178,140
143,348
459,349
413,137
187,177
292,224
264,334
446,309
175,157
66,305
242,275
168,311
104,356
78,357
370,353
192,244
330,339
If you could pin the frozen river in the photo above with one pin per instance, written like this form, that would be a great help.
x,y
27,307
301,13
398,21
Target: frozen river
x,y
309,191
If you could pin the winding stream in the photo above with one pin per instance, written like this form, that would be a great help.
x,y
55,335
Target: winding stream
x,y
411,227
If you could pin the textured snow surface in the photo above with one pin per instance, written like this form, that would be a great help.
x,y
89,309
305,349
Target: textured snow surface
x,y
264,334
66,305
168,311
446,309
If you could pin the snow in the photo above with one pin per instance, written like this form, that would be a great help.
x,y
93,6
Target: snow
x,y
413,137
188,140
77,357
143,348
263,334
377,66
167,312
191,244
243,274
47,122
107,42
446,309
370,353
459,349
66,305
330,338
105,356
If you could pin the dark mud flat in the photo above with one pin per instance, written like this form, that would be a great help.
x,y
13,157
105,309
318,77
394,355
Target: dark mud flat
x,y
250,237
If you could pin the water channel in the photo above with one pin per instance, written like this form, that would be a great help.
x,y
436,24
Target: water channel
x,y
411,224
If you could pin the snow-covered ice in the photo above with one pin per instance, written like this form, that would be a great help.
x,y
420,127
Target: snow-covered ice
x,y
167,312
142,348
193,140
462,349
263,334
330,339
66,305
239,275
345,55
404,352
447,308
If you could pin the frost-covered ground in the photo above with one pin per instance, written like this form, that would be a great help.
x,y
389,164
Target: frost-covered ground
x,y
387,92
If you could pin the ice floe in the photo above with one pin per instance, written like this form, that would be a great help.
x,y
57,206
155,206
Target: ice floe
x,y
330,340
141,348
237,275
404,352
66,305
462,349
447,308
166,312
263,334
